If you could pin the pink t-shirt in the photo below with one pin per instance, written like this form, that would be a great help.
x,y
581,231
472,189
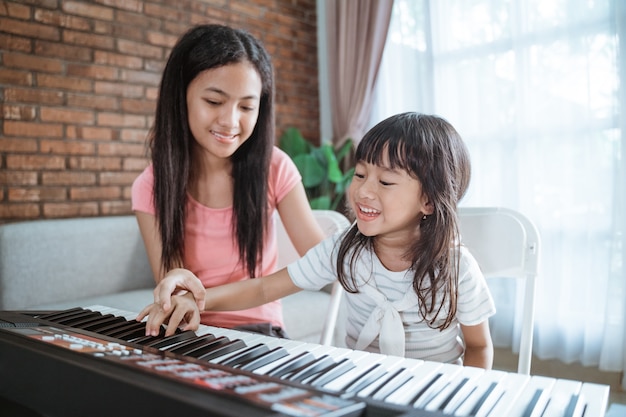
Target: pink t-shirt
x,y
210,249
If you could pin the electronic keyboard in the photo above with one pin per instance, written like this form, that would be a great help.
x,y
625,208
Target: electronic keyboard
x,y
97,361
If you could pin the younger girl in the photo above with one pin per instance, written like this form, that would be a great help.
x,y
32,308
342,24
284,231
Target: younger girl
x,y
207,200
412,290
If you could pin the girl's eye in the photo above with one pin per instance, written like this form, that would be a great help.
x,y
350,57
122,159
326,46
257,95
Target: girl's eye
x,y
247,108
358,175
212,102
386,183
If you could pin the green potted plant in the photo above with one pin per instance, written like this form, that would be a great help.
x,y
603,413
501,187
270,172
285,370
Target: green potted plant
x,y
320,166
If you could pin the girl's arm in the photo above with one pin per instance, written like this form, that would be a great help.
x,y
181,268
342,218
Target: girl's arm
x,y
234,296
478,345
297,217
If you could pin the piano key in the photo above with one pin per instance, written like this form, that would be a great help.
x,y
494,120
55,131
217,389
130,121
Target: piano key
x,y
172,340
245,355
333,372
501,398
104,322
363,362
191,344
563,392
319,364
596,398
70,316
368,384
53,316
393,382
223,349
82,321
424,374
207,347
484,386
269,357
456,391
445,374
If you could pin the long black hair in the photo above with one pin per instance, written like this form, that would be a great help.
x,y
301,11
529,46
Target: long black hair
x,y
430,150
201,48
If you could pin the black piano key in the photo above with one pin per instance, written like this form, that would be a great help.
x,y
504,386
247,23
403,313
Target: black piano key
x,y
425,388
124,331
116,326
56,314
191,344
103,323
334,371
395,381
483,398
243,356
224,349
82,324
147,339
293,363
265,359
453,393
365,379
172,340
572,406
528,411
309,369
69,317
207,347
76,320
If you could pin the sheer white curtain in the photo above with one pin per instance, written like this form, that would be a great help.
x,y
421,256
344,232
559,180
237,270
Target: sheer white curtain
x,y
533,86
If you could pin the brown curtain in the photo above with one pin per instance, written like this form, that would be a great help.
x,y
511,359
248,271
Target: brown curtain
x,y
356,34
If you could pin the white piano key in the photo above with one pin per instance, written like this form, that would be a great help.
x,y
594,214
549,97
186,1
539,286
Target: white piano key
x,y
390,364
448,373
535,395
459,394
506,392
560,396
362,361
422,375
482,386
596,397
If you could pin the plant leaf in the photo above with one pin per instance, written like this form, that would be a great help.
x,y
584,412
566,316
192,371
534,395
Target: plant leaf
x,y
310,169
334,172
320,203
293,143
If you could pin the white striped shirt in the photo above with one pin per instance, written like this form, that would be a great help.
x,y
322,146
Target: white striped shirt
x,y
386,302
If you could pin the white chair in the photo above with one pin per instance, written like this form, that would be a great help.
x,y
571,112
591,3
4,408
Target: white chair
x,y
506,244
330,221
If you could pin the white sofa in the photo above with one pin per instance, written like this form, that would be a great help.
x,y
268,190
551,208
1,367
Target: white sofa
x,y
62,263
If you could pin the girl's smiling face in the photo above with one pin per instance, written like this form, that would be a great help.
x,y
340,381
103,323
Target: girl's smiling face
x,y
223,107
387,202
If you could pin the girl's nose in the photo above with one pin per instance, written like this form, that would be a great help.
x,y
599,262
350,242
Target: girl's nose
x,y
365,189
229,117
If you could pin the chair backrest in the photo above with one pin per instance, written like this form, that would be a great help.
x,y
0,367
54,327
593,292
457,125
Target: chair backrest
x,y
506,244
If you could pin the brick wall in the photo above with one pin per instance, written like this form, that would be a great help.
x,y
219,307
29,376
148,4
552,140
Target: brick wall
x,y
78,84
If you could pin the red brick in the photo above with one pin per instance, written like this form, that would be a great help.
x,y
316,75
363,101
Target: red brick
x,y
15,43
140,77
58,210
58,50
114,208
68,178
91,133
32,62
15,77
120,120
161,39
37,194
135,164
95,193
117,60
134,135
19,211
94,163
15,10
32,129
54,18
118,178
88,39
118,89
15,112
62,147
63,115
92,102
87,10
64,83
16,178
21,145
139,49
98,72
121,149
29,29
33,95
29,162
138,106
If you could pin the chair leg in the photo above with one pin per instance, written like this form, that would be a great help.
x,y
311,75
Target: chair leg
x,y
331,317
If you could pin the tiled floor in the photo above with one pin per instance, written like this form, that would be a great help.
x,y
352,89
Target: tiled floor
x,y
505,360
